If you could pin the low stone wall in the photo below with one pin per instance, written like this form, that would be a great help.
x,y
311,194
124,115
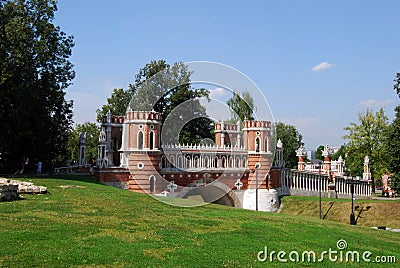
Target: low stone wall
x,y
8,192
10,189
116,177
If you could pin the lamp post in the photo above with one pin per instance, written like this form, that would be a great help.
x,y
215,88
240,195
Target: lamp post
x,y
256,187
352,182
257,166
320,194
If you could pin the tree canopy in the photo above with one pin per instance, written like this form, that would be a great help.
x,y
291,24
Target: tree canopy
x,y
166,89
242,106
92,132
393,144
368,137
116,104
318,152
34,72
396,85
291,140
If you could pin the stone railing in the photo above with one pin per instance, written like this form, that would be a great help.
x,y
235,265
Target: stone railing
x,y
200,147
303,183
361,187
294,182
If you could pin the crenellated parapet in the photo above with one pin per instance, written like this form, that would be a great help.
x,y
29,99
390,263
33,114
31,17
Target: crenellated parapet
x,y
227,134
257,136
144,116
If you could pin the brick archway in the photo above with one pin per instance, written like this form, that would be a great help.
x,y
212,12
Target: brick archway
x,y
215,192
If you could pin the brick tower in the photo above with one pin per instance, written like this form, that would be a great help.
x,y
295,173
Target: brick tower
x,y
141,149
257,141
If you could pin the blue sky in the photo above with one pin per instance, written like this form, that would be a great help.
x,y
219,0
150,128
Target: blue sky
x,y
318,63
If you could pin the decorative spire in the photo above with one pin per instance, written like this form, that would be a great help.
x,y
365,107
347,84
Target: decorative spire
x,y
326,152
301,152
279,145
102,136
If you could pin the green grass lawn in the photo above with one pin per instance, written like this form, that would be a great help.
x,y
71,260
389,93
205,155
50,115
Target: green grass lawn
x,y
91,225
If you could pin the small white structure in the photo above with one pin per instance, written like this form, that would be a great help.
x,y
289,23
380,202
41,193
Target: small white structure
x,y
268,200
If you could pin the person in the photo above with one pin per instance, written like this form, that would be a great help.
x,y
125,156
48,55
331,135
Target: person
x,y
24,165
39,167
92,163
387,192
68,164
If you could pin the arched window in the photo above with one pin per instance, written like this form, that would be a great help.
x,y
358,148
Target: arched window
x,y
180,161
140,140
206,162
151,140
231,162
266,145
163,162
216,161
257,144
188,162
152,181
196,162
244,160
238,162
223,162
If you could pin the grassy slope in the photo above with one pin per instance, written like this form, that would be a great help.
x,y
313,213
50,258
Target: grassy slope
x,y
369,212
94,225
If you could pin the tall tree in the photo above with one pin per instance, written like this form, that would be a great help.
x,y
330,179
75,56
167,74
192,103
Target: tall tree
x,y
393,144
166,89
242,106
367,138
341,152
318,152
92,132
291,140
116,104
397,84
34,72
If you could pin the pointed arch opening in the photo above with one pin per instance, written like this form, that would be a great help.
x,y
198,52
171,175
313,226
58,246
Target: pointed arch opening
x,y
257,144
140,140
151,140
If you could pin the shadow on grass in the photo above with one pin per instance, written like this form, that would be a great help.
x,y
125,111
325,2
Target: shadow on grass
x,y
327,212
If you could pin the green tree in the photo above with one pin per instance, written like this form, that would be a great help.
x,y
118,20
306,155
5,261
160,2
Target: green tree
x,y
397,84
242,106
165,89
116,104
291,140
340,152
393,141
92,132
367,138
318,152
34,72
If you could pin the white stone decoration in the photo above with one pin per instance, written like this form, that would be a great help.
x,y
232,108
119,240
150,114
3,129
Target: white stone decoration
x,y
238,184
172,187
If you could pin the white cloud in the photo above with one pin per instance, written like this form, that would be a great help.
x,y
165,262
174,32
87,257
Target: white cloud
x,y
322,66
377,103
218,92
